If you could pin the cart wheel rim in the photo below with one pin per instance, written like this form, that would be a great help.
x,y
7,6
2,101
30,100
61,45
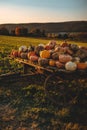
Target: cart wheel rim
x,y
57,90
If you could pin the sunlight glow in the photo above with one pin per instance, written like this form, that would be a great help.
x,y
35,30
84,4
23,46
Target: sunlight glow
x,y
16,12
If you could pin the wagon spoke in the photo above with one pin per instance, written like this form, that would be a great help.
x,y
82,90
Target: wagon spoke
x,y
55,87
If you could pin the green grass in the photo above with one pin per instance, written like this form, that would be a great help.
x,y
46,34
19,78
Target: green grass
x,y
26,106
9,41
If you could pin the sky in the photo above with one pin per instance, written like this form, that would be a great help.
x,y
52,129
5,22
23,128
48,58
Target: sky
x,y
31,11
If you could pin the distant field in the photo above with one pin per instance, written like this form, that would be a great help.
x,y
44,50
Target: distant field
x,y
12,42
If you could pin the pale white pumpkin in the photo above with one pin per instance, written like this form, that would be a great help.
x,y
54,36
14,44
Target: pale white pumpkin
x,y
71,66
22,49
41,44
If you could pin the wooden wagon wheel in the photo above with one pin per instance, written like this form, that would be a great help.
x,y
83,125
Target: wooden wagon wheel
x,y
58,90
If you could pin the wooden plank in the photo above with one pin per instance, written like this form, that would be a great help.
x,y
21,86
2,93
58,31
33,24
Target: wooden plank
x,y
28,62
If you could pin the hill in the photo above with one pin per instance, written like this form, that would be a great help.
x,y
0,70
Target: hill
x,y
73,26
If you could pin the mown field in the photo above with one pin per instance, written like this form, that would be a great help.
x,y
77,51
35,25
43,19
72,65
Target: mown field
x,y
24,104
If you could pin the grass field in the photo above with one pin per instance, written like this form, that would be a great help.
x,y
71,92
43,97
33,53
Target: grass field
x,y
18,41
25,106
8,42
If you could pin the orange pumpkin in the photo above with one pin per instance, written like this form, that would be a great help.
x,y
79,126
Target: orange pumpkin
x,y
51,62
81,65
45,54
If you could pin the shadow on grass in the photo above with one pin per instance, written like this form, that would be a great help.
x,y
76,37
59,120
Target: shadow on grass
x,y
25,106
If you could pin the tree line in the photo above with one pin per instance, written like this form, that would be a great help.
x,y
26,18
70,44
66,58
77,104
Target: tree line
x,y
36,32
22,31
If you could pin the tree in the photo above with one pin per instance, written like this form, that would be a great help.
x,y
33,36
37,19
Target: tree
x,y
4,31
21,31
79,36
59,36
43,33
36,32
65,36
12,32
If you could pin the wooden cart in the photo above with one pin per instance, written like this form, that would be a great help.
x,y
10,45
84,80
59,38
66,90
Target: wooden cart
x,y
60,85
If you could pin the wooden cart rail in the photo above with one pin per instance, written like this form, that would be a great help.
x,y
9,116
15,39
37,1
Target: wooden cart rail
x,y
33,64
49,68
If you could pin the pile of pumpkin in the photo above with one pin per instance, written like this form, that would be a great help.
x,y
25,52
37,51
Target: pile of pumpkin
x,y
65,55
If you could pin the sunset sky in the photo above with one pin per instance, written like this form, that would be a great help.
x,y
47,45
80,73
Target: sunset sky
x,y
28,11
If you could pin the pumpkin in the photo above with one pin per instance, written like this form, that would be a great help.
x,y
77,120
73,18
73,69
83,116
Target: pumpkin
x,y
22,48
52,44
69,51
47,47
19,54
82,65
41,44
63,58
76,59
86,62
59,65
14,53
31,48
57,48
61,50
32,53
34,58
82,47
45,54
74,47
55,56
81,53
71,66
38,49
51,62
51,52
64,44
43,61
24,55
